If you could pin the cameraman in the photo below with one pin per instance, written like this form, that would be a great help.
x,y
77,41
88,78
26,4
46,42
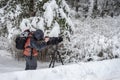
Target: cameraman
x,y
36,42
31,47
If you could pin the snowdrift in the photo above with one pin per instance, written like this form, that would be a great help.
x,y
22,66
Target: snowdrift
x,y
99,70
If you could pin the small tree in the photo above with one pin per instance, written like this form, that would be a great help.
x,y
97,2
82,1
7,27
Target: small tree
x,y
52,16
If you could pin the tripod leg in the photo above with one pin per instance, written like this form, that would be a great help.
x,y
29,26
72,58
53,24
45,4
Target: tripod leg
x,y
53,63
52,59
60,57
50,63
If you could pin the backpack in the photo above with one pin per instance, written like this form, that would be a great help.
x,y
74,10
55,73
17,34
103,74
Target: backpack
x,y
21,40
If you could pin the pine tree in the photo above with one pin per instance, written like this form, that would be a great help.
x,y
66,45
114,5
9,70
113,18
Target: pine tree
x,y
17,10
47,15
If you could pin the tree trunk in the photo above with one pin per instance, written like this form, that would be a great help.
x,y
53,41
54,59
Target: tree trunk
x,y
31,8
77,5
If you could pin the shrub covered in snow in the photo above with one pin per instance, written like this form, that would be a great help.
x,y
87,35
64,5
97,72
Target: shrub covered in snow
x,y
94,39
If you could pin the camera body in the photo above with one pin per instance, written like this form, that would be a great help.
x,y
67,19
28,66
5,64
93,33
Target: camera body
x,y
54,40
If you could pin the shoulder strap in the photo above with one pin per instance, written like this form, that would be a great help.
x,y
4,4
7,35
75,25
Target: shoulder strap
x,y
31,49
31,52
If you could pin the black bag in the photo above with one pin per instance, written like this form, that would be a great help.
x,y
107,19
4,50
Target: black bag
x,y
20,42
21,39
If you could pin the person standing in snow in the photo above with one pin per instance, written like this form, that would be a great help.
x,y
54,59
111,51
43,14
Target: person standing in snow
x,y
31,46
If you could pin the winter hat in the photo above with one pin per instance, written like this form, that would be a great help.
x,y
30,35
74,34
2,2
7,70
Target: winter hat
x,y
38,34
25,33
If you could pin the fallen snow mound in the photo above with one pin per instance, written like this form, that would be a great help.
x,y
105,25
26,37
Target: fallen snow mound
x,y
99,70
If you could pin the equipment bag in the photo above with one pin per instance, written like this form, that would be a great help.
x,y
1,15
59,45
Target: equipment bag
x,y
21,40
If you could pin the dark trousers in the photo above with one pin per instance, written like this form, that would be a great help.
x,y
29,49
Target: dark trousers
x,y
31,63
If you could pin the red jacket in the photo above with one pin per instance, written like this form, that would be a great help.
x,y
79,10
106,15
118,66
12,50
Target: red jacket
x,y
27,50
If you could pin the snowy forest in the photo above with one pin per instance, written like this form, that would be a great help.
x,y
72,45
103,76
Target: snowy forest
x,y
90,30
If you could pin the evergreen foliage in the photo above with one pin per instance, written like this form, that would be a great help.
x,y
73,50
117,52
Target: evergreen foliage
x,y
18,15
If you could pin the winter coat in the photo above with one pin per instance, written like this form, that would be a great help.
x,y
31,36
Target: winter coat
x,y
32,43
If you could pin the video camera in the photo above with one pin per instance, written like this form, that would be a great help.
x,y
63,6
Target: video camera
x,y
54,40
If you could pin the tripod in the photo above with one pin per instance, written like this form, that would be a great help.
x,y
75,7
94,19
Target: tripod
x,y
54,57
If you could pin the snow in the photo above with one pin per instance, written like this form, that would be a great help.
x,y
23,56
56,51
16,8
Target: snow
x,y
65,6
40,0
9,64
25,24
48,14
92,37
97,70
40,24
5,54
55,31
91,7
11,69
49,11
53,12
4,43
1,11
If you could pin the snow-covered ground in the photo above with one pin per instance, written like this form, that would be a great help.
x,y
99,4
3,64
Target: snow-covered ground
x,y
9,64
98,70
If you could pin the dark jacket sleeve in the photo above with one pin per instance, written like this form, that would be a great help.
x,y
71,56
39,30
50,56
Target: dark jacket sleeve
x,y
36,45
